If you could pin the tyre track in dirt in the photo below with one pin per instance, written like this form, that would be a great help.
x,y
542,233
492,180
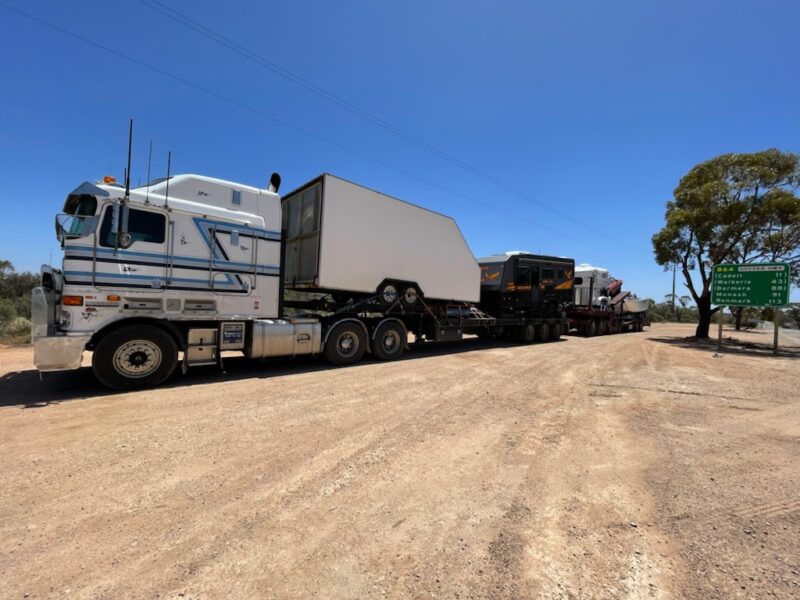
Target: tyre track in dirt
x,y
572,470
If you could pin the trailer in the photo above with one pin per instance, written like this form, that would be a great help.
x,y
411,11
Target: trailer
x,y
174,273
527,293
600,305
347,239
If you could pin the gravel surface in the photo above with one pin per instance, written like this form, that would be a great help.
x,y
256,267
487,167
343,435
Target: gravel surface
x,y
627,466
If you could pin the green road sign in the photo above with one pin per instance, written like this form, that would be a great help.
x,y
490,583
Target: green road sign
x,y
757,284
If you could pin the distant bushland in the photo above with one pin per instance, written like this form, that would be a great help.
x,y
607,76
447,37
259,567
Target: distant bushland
x,y
15,303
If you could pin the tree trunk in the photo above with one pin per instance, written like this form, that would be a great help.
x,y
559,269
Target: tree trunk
x,y
738,313
704,314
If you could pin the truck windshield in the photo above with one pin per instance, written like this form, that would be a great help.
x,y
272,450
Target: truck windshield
x,y
81,206
78,217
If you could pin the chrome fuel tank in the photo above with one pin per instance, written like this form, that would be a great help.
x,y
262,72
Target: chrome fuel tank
x,y
284,337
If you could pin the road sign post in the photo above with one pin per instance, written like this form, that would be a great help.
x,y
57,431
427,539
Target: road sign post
x,y
777,318
756,284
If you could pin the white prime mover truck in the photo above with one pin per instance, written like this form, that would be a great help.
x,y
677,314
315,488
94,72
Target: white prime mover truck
x,y
182,269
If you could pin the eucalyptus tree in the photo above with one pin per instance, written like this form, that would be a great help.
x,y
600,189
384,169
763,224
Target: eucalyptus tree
x,y
738,208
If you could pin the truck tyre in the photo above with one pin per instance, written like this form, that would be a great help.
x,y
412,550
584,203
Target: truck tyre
x,y
527,333
135,357
410,296
603,327
555,331
346,344
591,328
389,341
544,332
388,293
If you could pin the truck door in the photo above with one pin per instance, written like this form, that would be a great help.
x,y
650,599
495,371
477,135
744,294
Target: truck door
x,y
526,290
143,262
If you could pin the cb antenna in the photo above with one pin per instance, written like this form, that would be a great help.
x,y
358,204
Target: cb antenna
x,y
128,169
149,162
166,193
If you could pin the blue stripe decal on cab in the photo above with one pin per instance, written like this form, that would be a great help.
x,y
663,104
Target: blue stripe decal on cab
x,y
162,258
128,276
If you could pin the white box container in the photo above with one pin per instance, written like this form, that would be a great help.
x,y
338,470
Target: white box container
x,y
342,236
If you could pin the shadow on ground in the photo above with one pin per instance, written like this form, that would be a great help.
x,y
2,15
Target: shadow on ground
x,y
27,390
732,345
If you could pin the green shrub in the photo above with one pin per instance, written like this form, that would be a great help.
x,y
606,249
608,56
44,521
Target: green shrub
x,y
15,302
8,313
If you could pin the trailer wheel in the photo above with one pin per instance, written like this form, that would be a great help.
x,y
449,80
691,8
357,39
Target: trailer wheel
x,y
555,332
410,296
527,333
388,293
603,327
135,357
544,332
389,341
590,329
346,344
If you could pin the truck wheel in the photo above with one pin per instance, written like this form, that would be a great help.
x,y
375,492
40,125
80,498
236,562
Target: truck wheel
x,y
389,341
527,333
135,357
544,332
345,344
591,328
410,296
603,327
555,332
388,293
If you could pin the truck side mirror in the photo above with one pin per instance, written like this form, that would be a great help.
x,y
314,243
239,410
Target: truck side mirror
x,y
124,239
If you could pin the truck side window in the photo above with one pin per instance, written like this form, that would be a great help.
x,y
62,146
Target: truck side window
x,y
143,225
523,275
491,275
548,275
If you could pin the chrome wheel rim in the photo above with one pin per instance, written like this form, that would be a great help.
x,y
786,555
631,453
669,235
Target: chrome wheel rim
x,y
410,295
347,344
390,341
389,293
137,359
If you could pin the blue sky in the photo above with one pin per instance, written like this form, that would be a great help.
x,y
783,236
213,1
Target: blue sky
x,y
592,109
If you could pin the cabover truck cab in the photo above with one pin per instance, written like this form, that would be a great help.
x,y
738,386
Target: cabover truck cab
x,y
185,264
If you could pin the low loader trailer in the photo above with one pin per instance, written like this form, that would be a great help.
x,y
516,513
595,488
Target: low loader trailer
x,y
174,273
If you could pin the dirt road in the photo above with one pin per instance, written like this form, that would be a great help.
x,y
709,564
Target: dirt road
x,y
627,466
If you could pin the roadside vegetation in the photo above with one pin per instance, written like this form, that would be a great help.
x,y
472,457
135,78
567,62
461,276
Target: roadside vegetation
x,y
735,208
742,318
15,303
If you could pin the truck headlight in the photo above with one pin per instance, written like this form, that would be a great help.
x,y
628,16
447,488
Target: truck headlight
x,y
66,320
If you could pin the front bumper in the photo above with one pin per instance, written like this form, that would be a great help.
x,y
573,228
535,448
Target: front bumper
x,y
60,352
